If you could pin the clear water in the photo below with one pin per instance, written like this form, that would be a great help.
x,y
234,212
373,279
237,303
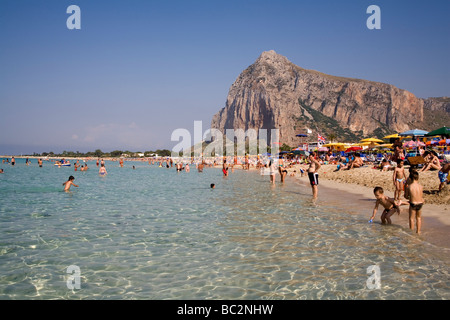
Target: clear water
x,y
153,233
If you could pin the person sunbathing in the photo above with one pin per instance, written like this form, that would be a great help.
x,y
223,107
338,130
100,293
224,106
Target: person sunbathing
x,y
357,162
431,161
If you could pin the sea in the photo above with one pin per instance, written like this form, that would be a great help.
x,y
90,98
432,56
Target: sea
x,y
152,233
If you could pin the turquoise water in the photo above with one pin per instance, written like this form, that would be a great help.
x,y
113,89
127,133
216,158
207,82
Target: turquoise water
x,y
153,233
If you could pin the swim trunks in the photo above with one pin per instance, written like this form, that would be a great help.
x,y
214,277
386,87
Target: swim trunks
x,y
416,206
443,176
393,207
313,178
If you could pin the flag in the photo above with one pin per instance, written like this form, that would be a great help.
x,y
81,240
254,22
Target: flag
x,y
320,138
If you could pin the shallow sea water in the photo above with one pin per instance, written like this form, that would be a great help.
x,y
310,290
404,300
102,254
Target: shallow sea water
x,y
153,233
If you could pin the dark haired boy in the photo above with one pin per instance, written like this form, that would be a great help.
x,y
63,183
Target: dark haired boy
x,y
68,183
390,207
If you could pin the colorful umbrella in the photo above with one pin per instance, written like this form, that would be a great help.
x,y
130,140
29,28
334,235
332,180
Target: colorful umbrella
x,y
413,144
385,145
375,140
353,149
444,131
414,133
302,152
392,136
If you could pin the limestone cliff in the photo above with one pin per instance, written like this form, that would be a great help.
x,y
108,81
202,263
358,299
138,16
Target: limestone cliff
x,y
275,93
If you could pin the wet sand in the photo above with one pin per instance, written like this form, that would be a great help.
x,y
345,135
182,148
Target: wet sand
x,y
359,199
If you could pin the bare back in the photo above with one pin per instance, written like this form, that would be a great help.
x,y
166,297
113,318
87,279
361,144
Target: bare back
x,y
415,193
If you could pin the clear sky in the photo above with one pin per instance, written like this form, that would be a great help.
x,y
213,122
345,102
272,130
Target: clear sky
x,y
137,70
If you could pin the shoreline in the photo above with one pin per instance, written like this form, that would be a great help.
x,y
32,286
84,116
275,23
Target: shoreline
x,y
361,201
354,189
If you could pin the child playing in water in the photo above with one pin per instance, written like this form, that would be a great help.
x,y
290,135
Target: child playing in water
x,y
416,201
390,207
399,179
69,183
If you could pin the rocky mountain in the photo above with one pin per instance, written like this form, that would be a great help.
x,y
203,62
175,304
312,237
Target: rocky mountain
x,y
275,93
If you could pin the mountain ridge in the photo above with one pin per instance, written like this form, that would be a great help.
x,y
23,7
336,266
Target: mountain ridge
x,y
273,93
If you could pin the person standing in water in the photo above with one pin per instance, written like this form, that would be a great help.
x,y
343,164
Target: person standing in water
x,y
69,183
283,172
102,170
416,202
313,174
225,168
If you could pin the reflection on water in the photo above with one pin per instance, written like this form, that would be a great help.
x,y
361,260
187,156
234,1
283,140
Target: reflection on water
x,y
152,233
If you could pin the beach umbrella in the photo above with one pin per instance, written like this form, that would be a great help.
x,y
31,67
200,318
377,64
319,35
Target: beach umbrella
x,y
335,145
301,135
413,144
443,142
370,140
353,149
385,145
414,133
392,136
444,131
301,152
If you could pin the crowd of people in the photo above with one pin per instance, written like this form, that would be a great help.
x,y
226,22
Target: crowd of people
x,y
308,165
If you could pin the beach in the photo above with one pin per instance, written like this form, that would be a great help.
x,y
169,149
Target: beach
x,y
152,232
356,187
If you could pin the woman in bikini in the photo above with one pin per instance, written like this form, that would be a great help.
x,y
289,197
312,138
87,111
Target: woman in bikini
x,y
283,172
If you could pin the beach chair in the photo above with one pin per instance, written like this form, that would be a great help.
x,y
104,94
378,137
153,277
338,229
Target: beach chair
x,y
380,157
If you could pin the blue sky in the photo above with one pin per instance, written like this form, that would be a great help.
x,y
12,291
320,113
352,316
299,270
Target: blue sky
x,y
137,70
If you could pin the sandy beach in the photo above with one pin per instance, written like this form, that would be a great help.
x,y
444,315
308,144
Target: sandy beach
x,y
356,187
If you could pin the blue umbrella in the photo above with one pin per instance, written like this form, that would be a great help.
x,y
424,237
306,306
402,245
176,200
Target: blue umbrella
x,y
414,133
301,135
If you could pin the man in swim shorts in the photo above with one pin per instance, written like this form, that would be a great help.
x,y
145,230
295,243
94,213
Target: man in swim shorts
x,y
313,174
443,175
